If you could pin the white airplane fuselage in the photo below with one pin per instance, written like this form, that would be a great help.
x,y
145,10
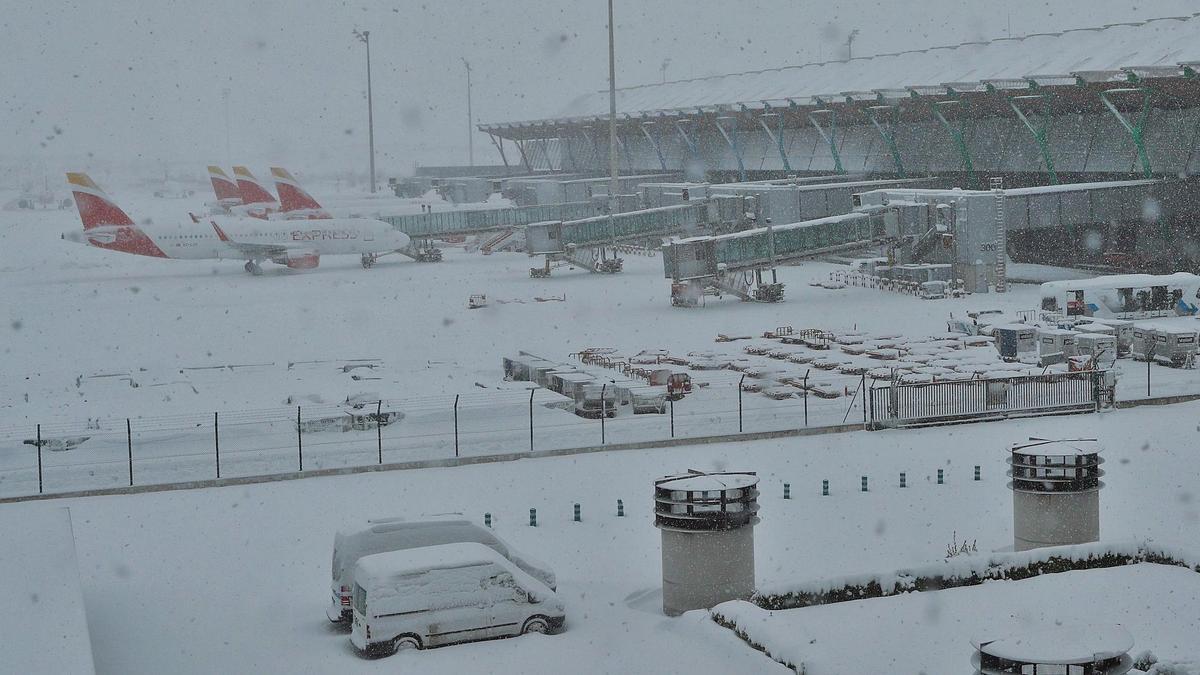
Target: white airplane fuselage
x,y
201,241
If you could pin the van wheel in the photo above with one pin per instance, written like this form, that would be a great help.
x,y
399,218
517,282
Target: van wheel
x,y
406,642
536,624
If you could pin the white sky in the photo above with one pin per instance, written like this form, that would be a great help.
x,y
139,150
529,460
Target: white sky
x,y
138,83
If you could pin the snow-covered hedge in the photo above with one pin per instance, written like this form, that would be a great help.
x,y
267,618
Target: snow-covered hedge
x,y
970,571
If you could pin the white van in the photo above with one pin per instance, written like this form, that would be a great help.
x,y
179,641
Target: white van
x,y
395,534
439,595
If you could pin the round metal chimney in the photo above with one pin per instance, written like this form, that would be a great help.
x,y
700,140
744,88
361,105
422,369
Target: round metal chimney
x,y
1056,492
1087,650
707,522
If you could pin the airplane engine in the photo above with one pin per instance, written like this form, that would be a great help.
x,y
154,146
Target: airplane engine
x,y
301,261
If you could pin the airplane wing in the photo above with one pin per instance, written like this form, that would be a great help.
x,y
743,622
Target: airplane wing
x,y
251,249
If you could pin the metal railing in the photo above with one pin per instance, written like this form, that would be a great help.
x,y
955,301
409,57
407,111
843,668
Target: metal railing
x,y
899,404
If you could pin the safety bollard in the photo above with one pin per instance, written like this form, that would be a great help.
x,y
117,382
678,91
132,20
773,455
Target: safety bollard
x,y
976,472
577,513
825,488
487,519
620,508
903,478
533,517
940,477
864,483
787,490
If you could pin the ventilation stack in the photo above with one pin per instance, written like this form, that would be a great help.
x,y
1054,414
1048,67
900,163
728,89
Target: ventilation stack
x,y
707,522
1056,492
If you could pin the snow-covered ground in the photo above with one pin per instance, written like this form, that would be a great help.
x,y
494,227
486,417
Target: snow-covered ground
x,y
931,632
235,579
83,326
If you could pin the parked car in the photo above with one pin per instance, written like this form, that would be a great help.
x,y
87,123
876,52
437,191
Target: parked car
x,y
438,595
395,534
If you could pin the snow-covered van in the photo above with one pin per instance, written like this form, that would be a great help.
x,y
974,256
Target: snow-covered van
x,y
395,534
438,595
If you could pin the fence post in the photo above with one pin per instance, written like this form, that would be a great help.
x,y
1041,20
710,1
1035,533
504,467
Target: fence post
x,y
456,425
864,483
217,441
863,389
1149,358
903,480
129,444
39,449
603,411
531,419
940,477
806,396
825,488
976,472
379,428
299,440
740,381
787,490
577,518
672,417
533,517
620,508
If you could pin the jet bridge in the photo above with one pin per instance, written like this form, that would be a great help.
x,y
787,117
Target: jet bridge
x,y
422,228
589,242
735,263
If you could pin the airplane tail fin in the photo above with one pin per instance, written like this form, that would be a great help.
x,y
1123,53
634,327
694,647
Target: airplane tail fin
x,y
96,208
292,197
223,186
252,191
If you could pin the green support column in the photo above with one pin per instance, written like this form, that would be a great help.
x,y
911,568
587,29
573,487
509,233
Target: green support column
x,y
732,142
959,134
691,145
565,140
654,144
776,140
889,134
830,138
1039,131
1137,130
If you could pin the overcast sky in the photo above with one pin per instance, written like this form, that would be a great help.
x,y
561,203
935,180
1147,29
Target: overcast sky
x,y
140,82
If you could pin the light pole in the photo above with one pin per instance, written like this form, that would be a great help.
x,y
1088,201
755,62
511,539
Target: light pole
x,y
225,97
850,44
470,119
365,37
612,116
666,62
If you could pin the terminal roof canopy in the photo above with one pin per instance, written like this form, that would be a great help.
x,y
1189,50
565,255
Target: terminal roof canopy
x,y
1156,47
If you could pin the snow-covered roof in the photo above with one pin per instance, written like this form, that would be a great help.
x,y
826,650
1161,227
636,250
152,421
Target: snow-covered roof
x,y
422,559
1060,645
1113,52
704,482
1123,281
1058,448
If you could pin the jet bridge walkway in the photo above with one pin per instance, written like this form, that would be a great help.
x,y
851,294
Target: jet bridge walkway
x,y
734,263
592,243
422,228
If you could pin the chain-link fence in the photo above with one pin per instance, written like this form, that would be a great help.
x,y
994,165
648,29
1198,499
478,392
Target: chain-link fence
x,y
60,456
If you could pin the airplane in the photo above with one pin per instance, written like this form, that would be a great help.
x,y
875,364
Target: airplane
x,y
254,195
290,243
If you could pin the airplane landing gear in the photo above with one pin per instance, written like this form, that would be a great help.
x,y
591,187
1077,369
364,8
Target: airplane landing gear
x,y
254,268
369,260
